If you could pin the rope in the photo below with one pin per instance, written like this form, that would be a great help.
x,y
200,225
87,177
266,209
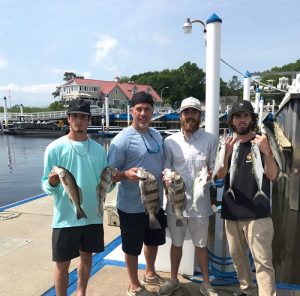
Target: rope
x,y
9,215
256,81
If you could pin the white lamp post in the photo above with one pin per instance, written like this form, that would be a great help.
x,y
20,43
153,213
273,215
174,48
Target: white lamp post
x,y
212,29
161,92
106,102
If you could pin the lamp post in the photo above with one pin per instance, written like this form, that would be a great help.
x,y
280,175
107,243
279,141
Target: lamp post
x,y
161,92
5,113
212,30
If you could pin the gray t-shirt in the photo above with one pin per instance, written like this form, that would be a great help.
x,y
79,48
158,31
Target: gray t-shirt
x,y
129,149
187,156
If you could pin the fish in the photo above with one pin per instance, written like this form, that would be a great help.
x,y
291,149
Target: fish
x,y
175,192
105,182
149,195
73,190
198,186
233,168
275,151
219,162
258,169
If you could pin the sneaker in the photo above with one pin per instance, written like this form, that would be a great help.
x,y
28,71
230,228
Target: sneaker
x,y
207,290
155,280
168,288
141,291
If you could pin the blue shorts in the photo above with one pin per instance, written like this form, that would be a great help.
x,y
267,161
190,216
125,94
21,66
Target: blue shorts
x,y
67,242
135,231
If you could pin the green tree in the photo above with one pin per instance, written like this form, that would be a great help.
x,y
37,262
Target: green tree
x,y
56,106
71,75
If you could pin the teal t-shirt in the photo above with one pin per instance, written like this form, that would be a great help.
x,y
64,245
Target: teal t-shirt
x,y
86,161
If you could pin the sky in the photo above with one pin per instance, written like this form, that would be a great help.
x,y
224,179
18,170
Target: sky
x,y
102,39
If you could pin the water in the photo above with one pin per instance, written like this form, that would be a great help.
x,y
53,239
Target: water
x,y
21,166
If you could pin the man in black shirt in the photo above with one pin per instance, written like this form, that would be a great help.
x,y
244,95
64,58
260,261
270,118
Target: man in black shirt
x,y
247,213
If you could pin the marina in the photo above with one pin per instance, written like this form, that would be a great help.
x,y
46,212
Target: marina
x,y
25,251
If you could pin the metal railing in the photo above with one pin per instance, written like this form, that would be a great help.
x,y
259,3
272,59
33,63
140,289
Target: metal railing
x,y
54,114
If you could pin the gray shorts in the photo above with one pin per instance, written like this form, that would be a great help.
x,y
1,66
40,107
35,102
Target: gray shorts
x,y
198,228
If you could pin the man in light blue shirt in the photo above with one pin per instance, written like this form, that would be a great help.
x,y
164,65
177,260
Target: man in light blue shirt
x,y
138,146
72,237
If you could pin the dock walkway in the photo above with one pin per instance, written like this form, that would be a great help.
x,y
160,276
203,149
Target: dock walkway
x,y
27,269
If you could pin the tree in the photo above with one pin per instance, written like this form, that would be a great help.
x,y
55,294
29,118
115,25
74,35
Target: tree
x,y
56,92
70,75
56,106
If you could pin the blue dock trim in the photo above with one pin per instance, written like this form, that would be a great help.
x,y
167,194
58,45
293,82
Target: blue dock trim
x,y
23,201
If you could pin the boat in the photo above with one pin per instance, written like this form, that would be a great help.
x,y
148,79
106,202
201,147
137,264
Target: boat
x,y
37,129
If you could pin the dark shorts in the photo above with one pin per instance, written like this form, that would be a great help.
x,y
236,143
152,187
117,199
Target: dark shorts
x,y
67,242
135,231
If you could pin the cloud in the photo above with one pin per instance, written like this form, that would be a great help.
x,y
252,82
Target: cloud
x,y
45,88
60,72
105,46
86,75
161,40
3,63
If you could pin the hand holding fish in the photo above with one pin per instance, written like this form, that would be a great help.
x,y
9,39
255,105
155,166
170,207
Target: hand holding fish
x,y
263,143
270,168
129,175
53,179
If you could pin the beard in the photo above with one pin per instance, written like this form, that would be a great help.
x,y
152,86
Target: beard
x,y
242,130
190,125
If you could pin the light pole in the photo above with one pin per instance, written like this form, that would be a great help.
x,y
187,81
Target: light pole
x,y
161,92
212,30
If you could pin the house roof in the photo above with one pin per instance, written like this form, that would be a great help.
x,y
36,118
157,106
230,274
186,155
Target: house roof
x,y
106,87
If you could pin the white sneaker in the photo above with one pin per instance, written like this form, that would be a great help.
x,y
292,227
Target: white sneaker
x,y
207,290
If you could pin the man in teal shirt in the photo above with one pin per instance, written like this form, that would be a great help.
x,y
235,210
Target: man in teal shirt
x,y
72,237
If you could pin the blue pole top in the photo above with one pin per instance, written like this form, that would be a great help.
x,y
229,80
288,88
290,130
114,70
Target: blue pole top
x,y
214,19
247,74
258,90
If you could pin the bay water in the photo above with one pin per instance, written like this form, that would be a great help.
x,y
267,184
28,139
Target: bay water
x,y
21,166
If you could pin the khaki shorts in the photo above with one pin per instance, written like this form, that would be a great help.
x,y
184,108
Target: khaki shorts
x,y
198,228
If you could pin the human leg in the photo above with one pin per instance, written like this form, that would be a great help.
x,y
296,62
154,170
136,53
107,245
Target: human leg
x,y
199,232
177,237
238,251
259,236
132,270
92,241
150,253
61,277
132,233
84,270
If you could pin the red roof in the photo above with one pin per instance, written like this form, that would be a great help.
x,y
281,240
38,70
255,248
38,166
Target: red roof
x,y
107,86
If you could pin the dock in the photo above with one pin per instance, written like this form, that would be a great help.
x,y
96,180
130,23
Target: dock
x,y
27,268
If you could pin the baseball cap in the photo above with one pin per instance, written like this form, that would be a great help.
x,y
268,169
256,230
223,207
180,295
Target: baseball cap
x,y
141,97
79,106
241,106
190,102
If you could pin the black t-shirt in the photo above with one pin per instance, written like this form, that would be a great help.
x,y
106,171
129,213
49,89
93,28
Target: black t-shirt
x,y
243,207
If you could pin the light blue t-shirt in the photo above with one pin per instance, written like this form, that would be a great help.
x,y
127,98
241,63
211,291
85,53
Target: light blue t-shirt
x,y
86,161
129,149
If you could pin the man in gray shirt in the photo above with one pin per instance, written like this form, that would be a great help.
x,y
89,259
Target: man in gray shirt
x,y
187,152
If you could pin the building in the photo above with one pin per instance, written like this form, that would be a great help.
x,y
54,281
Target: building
x,y
119,93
